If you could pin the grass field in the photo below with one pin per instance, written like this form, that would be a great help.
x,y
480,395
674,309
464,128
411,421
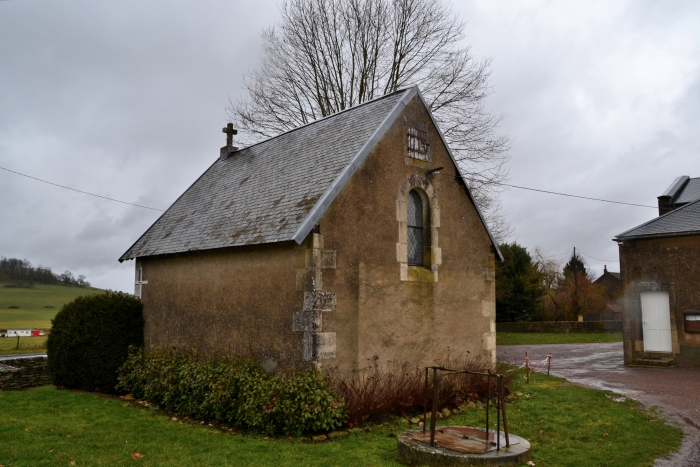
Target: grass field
x,y
32,303
531,338
567,425
8,345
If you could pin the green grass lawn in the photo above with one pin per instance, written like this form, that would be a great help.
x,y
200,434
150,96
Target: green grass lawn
x,y
32,303
567,425
531,338
8,345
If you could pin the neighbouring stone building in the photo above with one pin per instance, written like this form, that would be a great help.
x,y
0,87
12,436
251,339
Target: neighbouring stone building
x,y
351,237
660,268
611,310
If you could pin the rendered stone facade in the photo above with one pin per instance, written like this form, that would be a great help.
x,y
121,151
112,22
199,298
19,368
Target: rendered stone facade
x,y
345,294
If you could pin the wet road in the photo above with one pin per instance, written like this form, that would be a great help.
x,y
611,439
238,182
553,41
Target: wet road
x,y
18,356
676,390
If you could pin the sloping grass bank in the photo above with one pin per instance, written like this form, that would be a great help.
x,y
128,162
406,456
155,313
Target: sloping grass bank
x,y
567,425
33,304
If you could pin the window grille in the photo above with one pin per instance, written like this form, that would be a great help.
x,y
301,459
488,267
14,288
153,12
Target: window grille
x,y
415,229
418,144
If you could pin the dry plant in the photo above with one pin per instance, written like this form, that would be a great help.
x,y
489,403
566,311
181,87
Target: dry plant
x,y
398,388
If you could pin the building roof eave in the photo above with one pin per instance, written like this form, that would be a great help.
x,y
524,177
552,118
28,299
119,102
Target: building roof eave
x,y
688,233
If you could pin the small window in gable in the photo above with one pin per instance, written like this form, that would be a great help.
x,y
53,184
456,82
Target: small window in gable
x,y
415,229
417,144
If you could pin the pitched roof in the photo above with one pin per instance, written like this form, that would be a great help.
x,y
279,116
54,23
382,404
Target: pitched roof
x,y
684,220
278,189
677,184
689,193
615,275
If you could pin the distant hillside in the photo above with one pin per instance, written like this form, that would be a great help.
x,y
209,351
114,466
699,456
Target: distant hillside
x,y
34,307
21,273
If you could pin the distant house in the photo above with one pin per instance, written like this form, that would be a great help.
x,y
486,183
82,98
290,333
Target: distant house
x,y
351,237
660,271
611,311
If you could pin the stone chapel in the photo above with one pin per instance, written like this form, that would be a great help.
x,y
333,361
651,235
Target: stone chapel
x,y
351,237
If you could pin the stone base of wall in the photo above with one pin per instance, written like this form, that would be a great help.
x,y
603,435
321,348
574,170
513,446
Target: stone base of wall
x,y
23,373
688,356
561,326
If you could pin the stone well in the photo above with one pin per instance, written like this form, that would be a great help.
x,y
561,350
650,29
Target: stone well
x,y
459,445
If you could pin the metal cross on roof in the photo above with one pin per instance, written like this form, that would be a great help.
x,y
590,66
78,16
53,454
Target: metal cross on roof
x,y
230,131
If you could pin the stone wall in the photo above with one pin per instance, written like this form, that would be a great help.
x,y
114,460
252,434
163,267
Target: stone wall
x,y
23,373
561,326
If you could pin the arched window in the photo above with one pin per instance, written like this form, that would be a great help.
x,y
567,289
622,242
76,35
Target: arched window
x,y
418,216
416,231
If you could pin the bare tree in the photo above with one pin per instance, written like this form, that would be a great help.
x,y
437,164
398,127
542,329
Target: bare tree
x,y
569,292
551,276
328,55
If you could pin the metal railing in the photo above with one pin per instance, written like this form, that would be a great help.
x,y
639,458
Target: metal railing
x,y
501,406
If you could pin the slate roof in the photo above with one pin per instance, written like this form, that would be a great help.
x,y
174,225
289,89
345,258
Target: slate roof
x,y
275,190
684,220
689,193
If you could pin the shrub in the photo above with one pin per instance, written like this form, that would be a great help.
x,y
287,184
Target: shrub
x,y
297,401
397,389
234,390
90,338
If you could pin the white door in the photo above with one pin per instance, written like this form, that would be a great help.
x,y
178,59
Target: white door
x,y
656,320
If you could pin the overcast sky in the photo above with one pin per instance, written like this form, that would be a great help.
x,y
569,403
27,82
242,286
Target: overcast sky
x,y
127,100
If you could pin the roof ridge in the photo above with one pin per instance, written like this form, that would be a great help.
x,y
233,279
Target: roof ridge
x,y
678,209
351,167
203,218
329,116
192,204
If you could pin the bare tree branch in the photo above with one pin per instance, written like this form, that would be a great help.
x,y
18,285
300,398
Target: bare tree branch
x,y
328,55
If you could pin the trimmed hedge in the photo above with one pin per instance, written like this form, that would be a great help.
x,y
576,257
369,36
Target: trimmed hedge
x,y
90,339
233,390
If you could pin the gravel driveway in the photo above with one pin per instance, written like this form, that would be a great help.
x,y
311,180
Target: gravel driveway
x,y
676,390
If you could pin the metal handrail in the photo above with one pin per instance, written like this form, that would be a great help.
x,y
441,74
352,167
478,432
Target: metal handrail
x,y
436,390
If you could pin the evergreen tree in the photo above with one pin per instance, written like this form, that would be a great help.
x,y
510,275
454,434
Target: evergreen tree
x,y
518,285
575,266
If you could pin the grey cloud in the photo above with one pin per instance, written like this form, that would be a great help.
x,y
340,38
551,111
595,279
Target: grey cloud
x,y
127,100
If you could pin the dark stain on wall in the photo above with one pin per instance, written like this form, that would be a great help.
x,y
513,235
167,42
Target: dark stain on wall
x,y
239,300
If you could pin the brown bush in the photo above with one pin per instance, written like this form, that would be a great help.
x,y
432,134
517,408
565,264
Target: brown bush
x,y
398,388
